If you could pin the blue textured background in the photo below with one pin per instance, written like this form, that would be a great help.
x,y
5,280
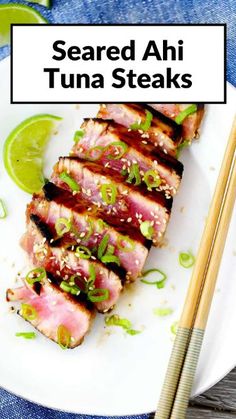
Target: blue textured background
x,y
125,11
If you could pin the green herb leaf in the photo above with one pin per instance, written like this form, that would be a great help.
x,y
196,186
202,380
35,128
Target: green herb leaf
x,y
186,112
143,126
73,185
162,311
186,260
26,335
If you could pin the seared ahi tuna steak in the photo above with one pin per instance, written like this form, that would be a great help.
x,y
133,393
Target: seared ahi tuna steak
x,y
159,130
87,230
66,266
118,148
147,211
56,314
190,124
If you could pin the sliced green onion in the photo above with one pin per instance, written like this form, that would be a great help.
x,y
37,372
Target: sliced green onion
x,y
75,290
160,283
26,335
91,279
126,244
69,181
116,320
124,172
174,327
28,312
144,126
65,286
110,249
133,332
109,193
186,112
103,245
35,275
186,259
181,146
101,224
147,229
98,294
78,135
151,179
117,144
110,259
89,154
63,226
162,311
83,252
134,174
63,337
3,210
90,230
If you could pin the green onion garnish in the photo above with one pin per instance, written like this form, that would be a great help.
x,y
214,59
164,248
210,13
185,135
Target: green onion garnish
x,y
147,229
162,311
174,327
186,259
28,312
98,294
186,112
78,135
151,179
35,275
3,211
26,335
181,146
110,249
90,230
116,320
91,279
107,258
134,174
83,252
63,226
109,193
144,126
63,337
94,150
72,289
101,224
125,244
124,172
69,181
160,283
103,245
133,332
117,144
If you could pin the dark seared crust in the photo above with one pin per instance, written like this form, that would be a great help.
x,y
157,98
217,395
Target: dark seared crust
x,y
176,128
134,139
154,196
63,197
42,227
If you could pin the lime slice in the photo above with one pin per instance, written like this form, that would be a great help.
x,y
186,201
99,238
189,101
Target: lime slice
x,y
24,151
16,13
46,3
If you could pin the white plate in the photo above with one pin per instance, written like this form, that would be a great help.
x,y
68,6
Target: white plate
x,y
113,373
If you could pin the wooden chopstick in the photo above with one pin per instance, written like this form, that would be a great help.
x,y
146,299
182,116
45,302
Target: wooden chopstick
x,y
183,361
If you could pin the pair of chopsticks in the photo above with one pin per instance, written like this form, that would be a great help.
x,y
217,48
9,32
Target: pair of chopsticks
x,y
182,366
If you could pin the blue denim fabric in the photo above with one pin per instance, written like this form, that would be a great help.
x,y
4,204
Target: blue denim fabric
x,y
125,11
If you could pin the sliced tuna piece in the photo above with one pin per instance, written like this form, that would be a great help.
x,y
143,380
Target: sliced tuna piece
x,y
114,146
63,264
147,211
163,132
190,125
88,230
53,312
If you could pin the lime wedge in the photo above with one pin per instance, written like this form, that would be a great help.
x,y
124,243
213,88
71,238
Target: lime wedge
x,y
46,3
24,151
16,13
